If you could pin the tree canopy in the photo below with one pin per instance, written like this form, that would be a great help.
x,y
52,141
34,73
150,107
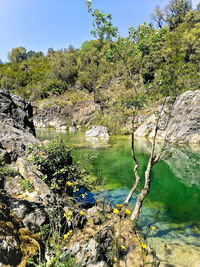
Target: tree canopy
x,y
149,52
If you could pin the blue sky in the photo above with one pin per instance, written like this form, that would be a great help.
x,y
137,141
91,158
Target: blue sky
x,y
41,24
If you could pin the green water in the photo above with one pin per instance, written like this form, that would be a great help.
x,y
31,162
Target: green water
x,y
173,204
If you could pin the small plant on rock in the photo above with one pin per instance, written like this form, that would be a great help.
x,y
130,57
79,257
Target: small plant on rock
x,y
26,185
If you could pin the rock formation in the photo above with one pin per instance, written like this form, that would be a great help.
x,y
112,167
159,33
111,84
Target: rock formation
x,y
16,126
184,121
55,116
97,131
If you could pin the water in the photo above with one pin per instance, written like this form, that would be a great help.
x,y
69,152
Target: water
x,y
173,204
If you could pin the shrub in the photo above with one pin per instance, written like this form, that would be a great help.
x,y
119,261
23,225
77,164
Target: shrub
x,y
56,163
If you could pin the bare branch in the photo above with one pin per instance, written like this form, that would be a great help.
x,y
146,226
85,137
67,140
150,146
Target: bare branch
x,y
152,161
125,64
135,161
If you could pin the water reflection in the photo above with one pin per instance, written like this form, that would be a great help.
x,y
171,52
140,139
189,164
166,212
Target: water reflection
x,y
97,141
174,199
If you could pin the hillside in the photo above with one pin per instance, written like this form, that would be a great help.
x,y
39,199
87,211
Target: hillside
x,y
102,76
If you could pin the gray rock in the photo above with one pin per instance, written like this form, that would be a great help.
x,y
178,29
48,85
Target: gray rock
x,y
97,131
16,126
88,253
33,215
184,122
13,186
49,114
18,110
10,251
29,172
84,111
98,264
74,248
86,256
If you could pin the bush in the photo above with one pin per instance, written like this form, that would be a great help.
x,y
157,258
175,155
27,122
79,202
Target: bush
x,y
55,87
56,163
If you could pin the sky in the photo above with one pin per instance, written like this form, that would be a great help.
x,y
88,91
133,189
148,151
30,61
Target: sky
x,y
41,24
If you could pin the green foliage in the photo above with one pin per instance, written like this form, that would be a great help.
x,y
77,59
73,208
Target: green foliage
x,y
6,172
55,261
26,185
103,27
64,65
18,54
146,53
176,11
55,86
56,163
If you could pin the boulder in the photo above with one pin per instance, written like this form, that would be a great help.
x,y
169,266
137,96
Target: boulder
x,y
183,124
97,131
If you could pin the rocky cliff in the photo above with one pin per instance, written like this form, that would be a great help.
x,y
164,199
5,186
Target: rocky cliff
x,y
182,124
64,116
16,126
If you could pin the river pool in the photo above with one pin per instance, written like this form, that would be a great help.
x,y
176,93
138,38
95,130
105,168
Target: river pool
x,y
173,204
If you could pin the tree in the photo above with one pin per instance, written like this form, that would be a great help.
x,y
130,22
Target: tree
x,y
176,11
158,16
104,31
64,66
17,54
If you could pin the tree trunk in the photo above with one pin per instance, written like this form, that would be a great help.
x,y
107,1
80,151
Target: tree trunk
x,y
137,177
134,186
144,192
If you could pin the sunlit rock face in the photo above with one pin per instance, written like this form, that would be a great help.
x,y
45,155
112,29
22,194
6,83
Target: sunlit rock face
x,y
183,124
97,131
49,115
16,126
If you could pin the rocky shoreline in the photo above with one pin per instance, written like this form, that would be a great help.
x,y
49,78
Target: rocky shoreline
x,y
183,125
88,236
88,233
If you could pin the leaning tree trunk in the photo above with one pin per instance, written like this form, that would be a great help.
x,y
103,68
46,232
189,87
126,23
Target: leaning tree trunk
x,y
152,161
143,193
137,177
